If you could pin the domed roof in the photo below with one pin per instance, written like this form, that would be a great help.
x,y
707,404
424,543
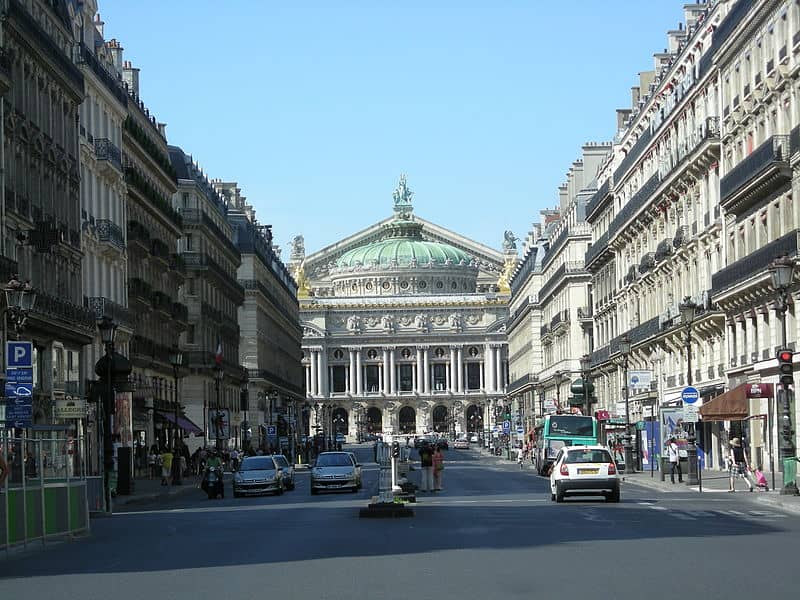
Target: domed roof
x,y
403,252
402,244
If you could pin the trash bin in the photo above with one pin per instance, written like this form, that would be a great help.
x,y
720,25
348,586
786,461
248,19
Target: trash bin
x,y
664,466
789,471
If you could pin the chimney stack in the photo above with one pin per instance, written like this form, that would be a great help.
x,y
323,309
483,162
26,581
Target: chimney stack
x,y
99,24
162,129
130,75
115,49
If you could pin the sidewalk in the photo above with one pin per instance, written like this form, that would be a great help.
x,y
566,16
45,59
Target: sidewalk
x,y
148,490
716,482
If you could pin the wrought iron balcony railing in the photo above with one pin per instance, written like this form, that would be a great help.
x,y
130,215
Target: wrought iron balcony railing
x,y
111,233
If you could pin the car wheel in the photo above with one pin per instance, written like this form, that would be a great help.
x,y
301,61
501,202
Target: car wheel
x,y
279,491
237,495
314,491
559,493
613,496
552,497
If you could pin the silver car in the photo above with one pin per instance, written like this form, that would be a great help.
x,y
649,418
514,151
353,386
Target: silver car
x,y
287,469
257,475
335,471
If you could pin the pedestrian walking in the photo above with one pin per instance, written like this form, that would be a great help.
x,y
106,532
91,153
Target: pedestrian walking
x,y
151,464
426,462
166,466
438,468
739,466
761,479
674,460
4,469
520,455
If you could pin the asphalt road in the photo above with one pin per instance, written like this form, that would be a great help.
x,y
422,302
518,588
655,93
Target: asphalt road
x,y
492,533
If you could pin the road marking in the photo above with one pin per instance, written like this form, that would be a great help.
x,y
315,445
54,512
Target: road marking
x,y
700,513
658,508
682,516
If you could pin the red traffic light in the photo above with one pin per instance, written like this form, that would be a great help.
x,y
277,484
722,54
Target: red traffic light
x,y
785,356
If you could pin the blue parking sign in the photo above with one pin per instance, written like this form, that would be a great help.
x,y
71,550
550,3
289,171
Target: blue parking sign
x,y
19,354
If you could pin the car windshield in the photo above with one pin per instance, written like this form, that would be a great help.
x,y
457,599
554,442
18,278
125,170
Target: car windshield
x,y
588,456
334,460
257,463
281,460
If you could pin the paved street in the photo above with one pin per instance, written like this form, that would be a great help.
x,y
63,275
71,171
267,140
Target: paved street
x,y
492,532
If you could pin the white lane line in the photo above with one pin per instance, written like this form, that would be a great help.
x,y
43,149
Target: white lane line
x,y
645,503
700,513
683,517
658,508
766,514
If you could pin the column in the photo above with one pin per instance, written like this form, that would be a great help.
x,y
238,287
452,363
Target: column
x,y
426,378
498,370
351,375
385,369
418,387
488,363
447,370
460,366
323,376
313,373
392,372
359,384
381,379
307,372
452,385
482,367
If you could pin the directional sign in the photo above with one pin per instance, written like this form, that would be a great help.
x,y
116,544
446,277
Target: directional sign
x,y
19,354
506,426
690,413
14,413
690,395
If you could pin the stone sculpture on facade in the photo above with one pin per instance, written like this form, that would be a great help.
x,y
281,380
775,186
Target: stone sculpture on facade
x,y
402,199
354,324
509,240
421,322
388,323
455,322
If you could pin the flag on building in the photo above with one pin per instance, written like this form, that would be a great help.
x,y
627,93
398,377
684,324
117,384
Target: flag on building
x,y
218,355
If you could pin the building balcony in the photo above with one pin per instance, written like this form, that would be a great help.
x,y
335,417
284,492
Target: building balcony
x,y
138,238
5,71
8,269
754,265
193,217
140,291
598,248
764,171
162,303
61,311
560,319
104,307
159,250
180,312
110,234
109,157
197,261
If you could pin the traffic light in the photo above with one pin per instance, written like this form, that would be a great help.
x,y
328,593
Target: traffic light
x,y
785,368
396,449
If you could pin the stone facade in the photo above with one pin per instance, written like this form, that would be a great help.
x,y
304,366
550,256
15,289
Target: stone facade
x,y
399,345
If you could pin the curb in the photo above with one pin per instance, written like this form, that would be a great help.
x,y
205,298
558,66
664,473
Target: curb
x,y
174,491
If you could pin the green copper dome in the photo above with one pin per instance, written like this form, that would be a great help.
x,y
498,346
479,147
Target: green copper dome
x,y
404,251
402,244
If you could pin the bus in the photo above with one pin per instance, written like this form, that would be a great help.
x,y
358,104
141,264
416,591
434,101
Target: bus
x,y
556,431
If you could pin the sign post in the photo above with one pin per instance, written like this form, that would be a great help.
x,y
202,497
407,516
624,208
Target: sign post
x,y
690,396
18,411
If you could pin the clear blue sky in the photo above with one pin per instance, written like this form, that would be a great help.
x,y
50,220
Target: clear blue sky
x,y
315,108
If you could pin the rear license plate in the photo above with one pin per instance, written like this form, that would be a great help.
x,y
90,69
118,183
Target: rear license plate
x,y
588,471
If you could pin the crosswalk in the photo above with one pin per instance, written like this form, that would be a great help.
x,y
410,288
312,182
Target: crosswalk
x,y
694,515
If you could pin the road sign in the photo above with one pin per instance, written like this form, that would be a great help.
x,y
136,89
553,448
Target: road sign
x,y
272,430
639,379
520,430
19,375
19,355
690,413
19,390
506,426
690,395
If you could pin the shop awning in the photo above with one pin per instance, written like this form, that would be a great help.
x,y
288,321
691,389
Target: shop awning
x,y
183,422
730,406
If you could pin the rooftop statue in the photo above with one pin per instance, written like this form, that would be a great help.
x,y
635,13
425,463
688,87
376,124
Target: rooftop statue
x,y
298,247
402,199
509,240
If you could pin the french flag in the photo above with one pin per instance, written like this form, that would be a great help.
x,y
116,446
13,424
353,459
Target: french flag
x,y
218,355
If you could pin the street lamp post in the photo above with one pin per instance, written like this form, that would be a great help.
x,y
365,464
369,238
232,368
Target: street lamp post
x,y
782,272
688,310
557,378
108,333
219,374
176,360
586,363
625,351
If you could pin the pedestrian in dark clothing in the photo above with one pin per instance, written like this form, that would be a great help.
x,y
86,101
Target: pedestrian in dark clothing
x,y
426,462
738,464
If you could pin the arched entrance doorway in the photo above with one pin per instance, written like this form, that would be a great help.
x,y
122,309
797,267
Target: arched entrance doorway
x,y
374,420
474,419
440,419
339,421
408,420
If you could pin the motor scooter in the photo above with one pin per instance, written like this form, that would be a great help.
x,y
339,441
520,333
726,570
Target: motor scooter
x,y
213,483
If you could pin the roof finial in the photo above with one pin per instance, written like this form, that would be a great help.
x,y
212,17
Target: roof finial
x,y
402,200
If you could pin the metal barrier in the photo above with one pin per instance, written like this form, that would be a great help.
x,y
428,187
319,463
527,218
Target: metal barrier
x,y
45,493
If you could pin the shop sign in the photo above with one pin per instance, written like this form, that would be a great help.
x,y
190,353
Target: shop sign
x,y
759,390
71,407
